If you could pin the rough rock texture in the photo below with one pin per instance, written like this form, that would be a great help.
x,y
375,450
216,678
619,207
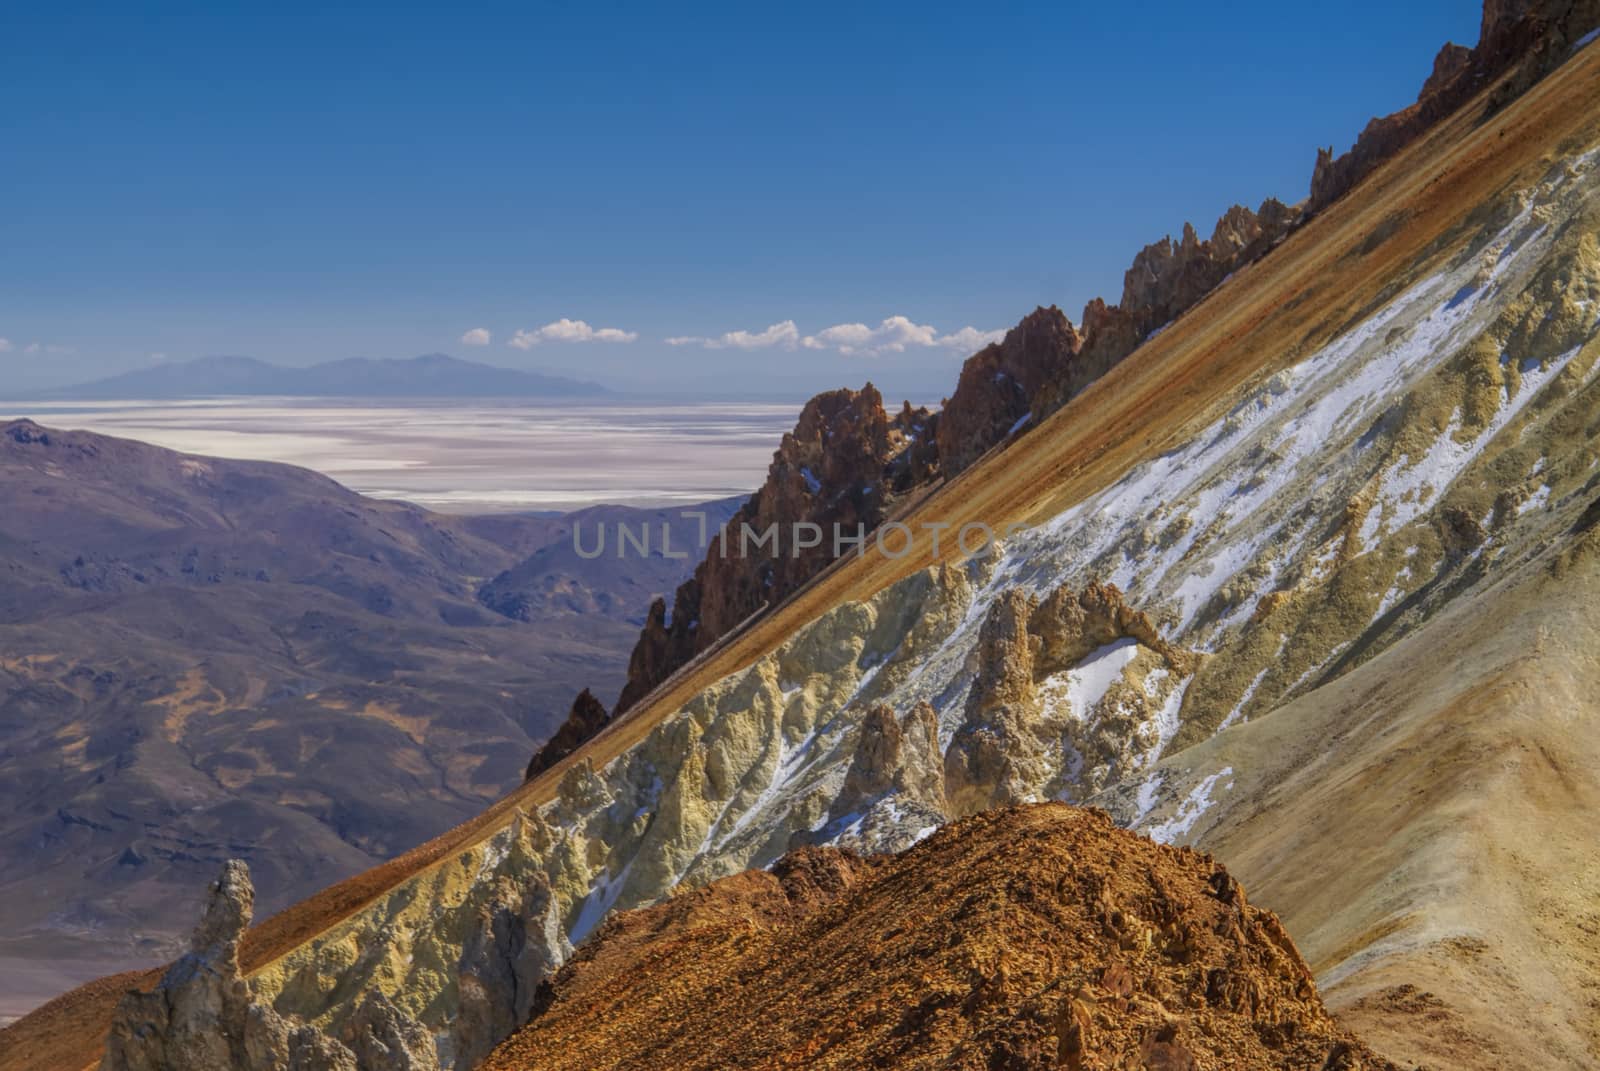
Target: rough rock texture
x,y
1520,40
1045,361
517,942
382,1036
587,717
202,1015
1029,938
195,1017
1166,279
895,783
900,754
998,755
1291,533
1009,744
1071,624
846,463
999,383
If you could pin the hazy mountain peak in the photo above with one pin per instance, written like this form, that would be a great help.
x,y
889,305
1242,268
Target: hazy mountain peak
x,y
428,375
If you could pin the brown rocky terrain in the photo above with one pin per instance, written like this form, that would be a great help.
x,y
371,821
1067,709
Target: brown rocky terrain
x,y
994,396
1033,937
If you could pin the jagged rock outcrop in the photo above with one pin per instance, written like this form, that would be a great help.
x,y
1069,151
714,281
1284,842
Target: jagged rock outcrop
x,y
202,1016
518,941
997,756
901,754
1045,361
195,1017
998,385
1026,938
381,1035
842,469
1024,704
1071,624
587,717
894,784
1519,40
1166,279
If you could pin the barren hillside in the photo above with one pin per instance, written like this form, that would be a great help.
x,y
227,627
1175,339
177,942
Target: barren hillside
x,y
1302,582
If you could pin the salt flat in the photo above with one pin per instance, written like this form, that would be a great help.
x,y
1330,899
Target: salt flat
x,y
467,455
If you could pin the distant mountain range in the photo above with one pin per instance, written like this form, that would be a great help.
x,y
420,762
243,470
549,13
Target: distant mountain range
x,y
431,376
250,659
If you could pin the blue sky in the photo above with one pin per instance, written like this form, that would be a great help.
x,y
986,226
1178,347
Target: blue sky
x,y
303,186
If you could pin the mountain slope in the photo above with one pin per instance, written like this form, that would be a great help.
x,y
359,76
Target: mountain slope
x,y
202,659
1446,778
1031,938
1353,441
433,375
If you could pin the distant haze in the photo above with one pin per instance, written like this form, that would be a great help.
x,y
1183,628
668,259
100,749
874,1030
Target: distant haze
x,y
468,456
432,376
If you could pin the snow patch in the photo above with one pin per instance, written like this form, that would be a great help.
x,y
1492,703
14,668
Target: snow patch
x,y
1189,811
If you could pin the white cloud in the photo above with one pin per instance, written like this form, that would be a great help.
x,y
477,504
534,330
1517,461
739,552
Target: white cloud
x,y
565,330
785,335
970,339
5,345
46,347
894,334
478,336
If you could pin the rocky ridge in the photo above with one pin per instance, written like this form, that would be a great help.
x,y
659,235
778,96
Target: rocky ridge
x,y
843,468
587,717
1045,360
848,463
1313,524
1519,42
1029,938
1248,566
203,1013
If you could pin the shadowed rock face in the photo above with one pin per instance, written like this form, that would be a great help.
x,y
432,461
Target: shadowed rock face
x,y
999,383
516,943
846,463
587,717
